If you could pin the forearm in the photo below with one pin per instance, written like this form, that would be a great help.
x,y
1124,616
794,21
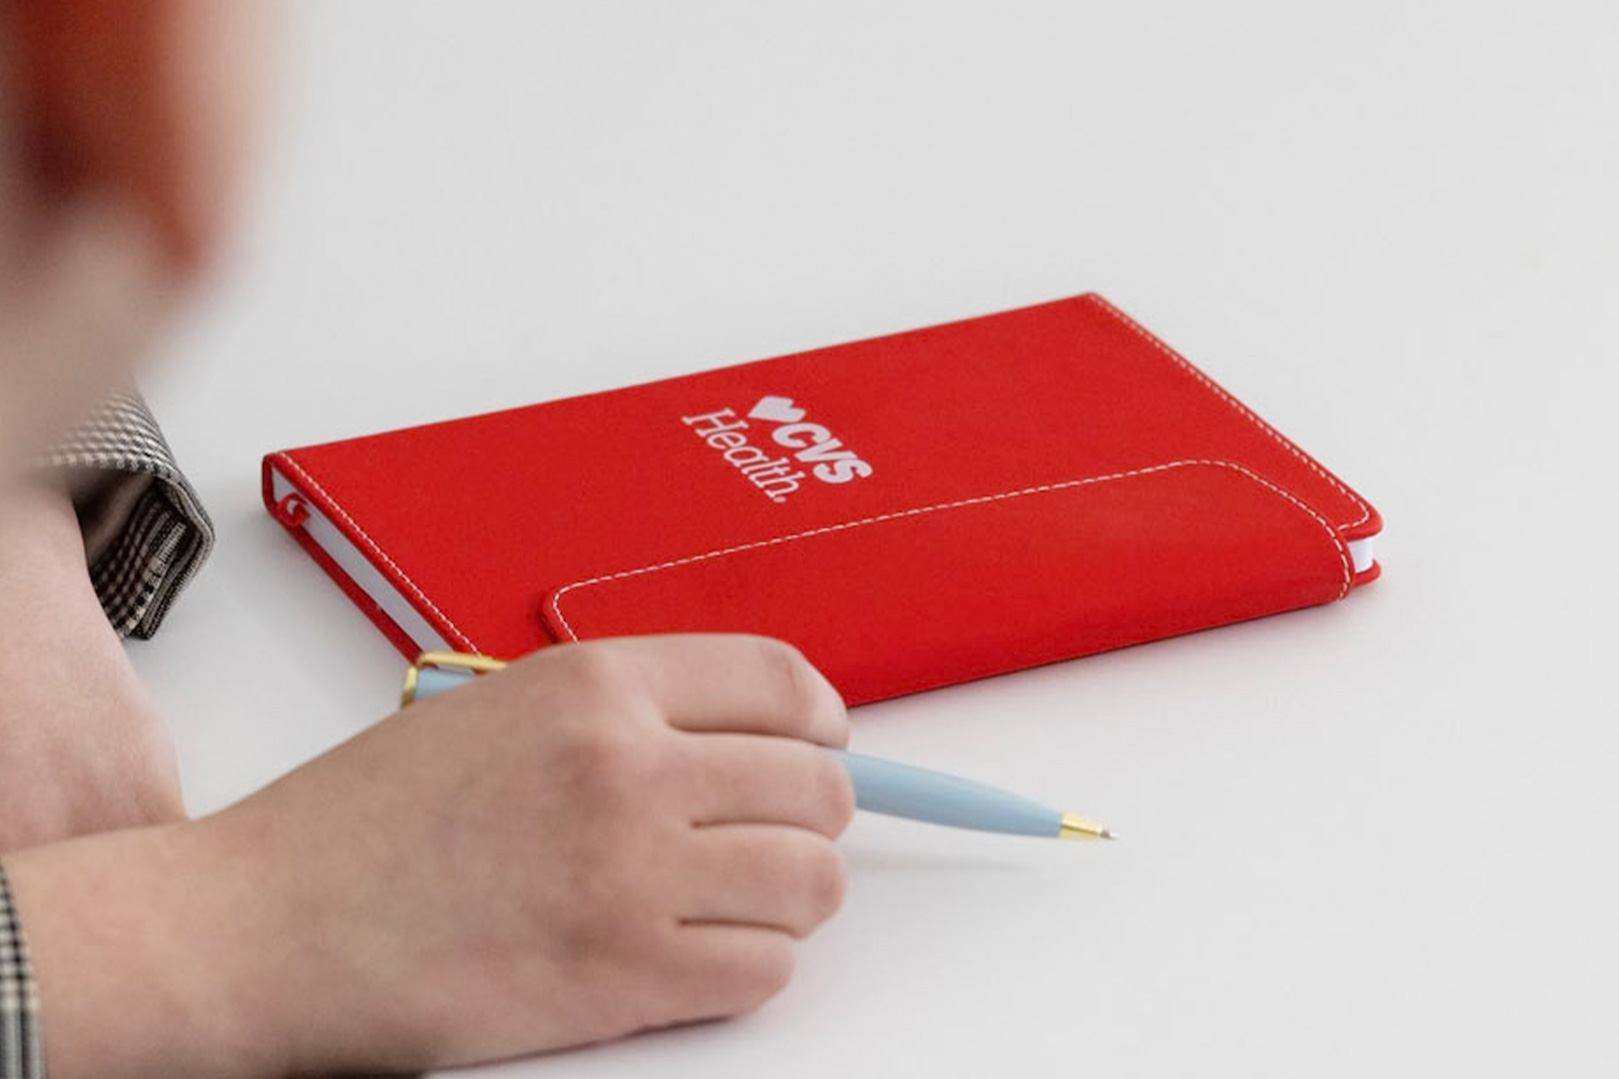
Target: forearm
x,y
43,578
151,957
81,748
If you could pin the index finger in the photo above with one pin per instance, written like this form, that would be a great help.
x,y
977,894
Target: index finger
x,y
738,683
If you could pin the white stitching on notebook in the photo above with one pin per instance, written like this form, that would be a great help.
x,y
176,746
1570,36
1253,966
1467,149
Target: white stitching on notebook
x,y
464,641
1191,369
1337,541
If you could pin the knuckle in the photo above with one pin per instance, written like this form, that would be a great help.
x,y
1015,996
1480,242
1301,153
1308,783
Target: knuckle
x,y
827,880
595,669
803,693
612,930
605,766
607,910
727,981
600,924
835,797
768,974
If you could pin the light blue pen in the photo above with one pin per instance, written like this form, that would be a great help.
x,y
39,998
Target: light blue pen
x,y
880,786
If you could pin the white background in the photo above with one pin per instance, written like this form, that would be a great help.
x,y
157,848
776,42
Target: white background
x,y
1374,839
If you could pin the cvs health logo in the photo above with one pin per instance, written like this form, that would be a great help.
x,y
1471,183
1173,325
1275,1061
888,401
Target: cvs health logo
x,y
812,445
833,463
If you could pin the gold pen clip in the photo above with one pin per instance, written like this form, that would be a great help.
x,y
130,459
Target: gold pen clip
x,y
459,661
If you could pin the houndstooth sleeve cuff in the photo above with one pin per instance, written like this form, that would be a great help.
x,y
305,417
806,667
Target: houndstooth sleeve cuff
x,y
145,532
19,1004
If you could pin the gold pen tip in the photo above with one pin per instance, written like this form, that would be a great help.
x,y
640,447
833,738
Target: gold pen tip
x,y
1079,828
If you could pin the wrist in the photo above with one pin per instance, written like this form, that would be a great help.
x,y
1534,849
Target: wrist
x,y
148,957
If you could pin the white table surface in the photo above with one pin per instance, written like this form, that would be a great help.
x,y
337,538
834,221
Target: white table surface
x,y
1372,839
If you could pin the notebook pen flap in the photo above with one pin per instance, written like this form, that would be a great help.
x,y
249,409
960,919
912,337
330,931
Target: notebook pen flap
x,y
928,595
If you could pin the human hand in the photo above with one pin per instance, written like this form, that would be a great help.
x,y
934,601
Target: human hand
x,y
81,748
602,838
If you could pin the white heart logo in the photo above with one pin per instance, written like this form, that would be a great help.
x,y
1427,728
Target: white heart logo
x,y
777,410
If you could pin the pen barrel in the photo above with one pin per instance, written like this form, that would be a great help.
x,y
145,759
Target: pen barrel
x,y
903,790
432,680
887,787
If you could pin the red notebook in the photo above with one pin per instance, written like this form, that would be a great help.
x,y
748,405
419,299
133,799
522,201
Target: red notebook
x,y
911,511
